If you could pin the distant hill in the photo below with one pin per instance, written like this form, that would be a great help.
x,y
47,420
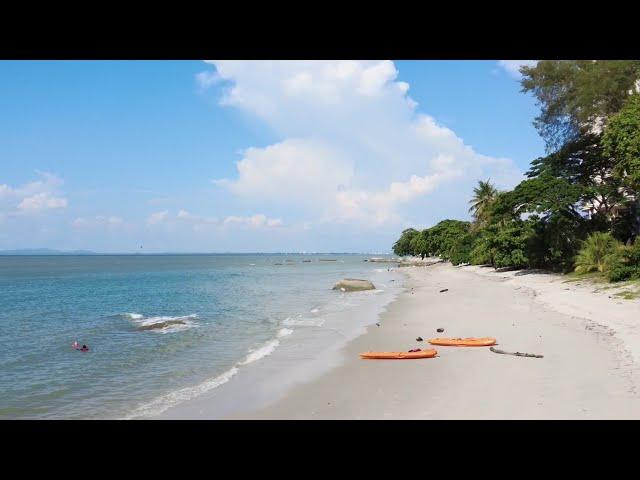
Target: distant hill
x,y
45,251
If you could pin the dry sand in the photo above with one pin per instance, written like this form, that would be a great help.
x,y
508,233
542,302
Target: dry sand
x,y
589,342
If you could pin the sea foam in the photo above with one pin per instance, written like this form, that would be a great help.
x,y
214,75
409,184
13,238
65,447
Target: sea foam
x,y
163,403
173,324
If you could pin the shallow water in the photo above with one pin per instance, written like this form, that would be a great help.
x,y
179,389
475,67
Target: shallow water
x,y
162,329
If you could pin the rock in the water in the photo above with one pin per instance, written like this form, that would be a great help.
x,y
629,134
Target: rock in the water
x,y
353,285
440,330
160,325
419,339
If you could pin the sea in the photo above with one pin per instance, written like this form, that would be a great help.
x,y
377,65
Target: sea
x,y
175,336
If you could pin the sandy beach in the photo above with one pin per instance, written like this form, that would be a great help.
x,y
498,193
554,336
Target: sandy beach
x,y
589,340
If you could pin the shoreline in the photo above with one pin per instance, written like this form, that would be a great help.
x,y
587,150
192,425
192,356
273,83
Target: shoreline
x,y
588,341
309,347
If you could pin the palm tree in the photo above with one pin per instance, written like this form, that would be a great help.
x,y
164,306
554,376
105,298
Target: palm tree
x,y
483,196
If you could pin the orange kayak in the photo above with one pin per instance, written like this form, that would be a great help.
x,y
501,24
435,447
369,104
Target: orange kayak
x,y
398,355
463,342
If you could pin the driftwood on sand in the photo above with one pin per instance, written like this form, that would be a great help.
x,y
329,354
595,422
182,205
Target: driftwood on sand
x,y
517,354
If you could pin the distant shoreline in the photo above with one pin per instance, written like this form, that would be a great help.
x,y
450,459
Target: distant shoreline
x,y
12,253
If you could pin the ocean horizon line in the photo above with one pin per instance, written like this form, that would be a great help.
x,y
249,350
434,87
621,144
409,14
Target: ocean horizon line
x,y
85,253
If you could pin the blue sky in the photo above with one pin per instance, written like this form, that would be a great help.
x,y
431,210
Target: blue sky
x,y
251,156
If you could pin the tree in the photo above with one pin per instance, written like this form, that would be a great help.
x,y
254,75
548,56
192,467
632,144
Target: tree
x,y
621,140
503,244
442,236
483,196
577,96
402,246
420,244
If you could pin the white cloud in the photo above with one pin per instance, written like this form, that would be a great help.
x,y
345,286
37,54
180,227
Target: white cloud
x,y
207,79
513,66
185,216
258,220
32,197
99,221
300,170
201,223
157,217
354,147
42,201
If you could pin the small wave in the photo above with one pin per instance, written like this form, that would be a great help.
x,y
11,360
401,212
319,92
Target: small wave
x,y
163,403
303,322
263,351
314,310
165,318
163,323
283,332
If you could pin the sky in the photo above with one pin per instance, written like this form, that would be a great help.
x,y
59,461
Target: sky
x,y
252,156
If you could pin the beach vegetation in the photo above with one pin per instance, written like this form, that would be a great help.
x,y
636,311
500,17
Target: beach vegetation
x,y
402,247
483,197
419,244
627,265
578,209
599,253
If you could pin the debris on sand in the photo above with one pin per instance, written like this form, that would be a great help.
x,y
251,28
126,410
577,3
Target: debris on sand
x,y
444,290
517,354
419,339
440,330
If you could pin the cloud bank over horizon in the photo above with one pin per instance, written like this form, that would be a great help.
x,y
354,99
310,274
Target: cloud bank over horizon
x,y
344,159
355,148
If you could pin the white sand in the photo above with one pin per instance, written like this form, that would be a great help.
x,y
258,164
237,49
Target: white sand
x,y
589,342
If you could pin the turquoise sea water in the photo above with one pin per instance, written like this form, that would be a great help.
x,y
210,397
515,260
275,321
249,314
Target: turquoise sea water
x,y
160,328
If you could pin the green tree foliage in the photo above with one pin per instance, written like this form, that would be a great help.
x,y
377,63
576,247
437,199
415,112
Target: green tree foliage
x,y
420,245
599,253
579,200
627,264
483,196
402,246
461,249
503,244
442,237
621,141
577,95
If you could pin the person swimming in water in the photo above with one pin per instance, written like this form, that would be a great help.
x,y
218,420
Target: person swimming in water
x,y
84,348
75,345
